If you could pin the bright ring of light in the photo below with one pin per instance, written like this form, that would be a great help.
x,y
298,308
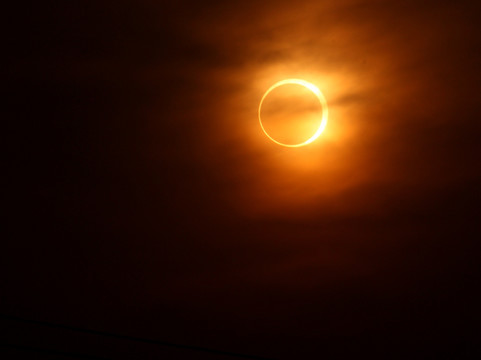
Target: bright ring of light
x,y
316,92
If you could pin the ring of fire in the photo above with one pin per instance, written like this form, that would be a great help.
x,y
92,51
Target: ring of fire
x,y
322,100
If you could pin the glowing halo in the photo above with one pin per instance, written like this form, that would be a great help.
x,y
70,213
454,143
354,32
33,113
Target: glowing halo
x,y
316,92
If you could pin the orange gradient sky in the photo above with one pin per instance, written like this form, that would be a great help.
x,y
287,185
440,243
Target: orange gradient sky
x,y
146,200
382,74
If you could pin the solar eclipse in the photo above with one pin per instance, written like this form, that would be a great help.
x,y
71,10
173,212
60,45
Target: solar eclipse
x,y
322,103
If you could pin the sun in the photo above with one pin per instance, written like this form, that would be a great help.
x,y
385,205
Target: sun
x,y
322,100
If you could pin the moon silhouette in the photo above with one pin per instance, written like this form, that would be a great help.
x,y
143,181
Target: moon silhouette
x,y
322,100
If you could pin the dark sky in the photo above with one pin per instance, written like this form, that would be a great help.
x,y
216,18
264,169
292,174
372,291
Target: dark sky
x,y
145,200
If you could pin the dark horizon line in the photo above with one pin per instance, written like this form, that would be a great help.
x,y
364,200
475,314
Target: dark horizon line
x,y
124,337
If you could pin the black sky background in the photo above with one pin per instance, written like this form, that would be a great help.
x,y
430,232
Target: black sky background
x,y
143,200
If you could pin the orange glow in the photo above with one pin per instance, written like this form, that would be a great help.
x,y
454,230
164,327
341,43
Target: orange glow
x,y
315,90
361,71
